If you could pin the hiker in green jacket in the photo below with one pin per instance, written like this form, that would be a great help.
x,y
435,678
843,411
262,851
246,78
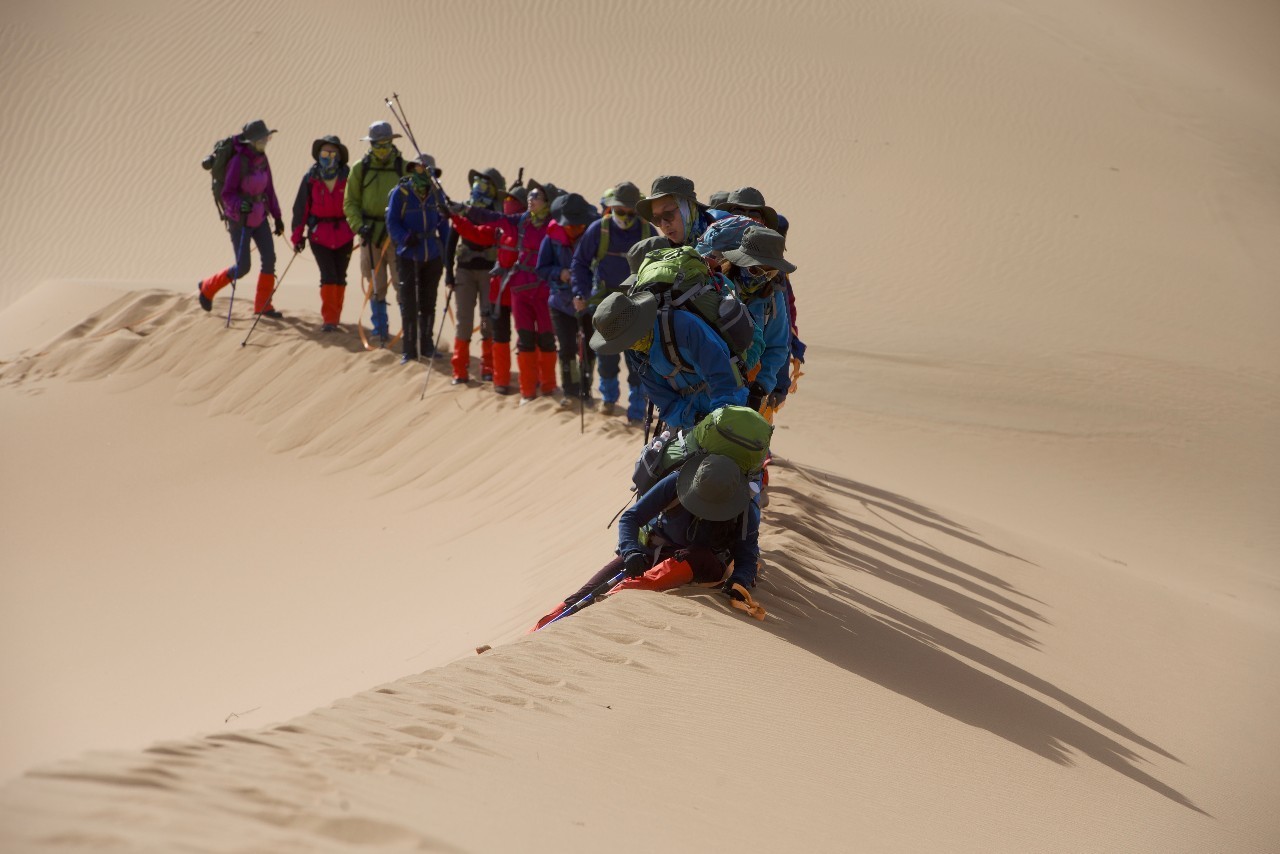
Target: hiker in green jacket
x,y
370,183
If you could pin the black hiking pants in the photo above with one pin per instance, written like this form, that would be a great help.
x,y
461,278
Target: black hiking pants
x,y
416,286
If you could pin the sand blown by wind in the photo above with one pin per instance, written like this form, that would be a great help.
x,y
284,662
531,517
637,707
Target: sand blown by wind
x,y
1020,555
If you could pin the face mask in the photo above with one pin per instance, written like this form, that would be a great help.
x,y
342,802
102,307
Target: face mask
x,y
643,345
381,150
421,182
328,162
512,205
260,145
624,221
482,194
750,284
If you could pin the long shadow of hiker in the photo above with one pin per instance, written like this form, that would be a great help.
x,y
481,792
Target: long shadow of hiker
x,y
818,608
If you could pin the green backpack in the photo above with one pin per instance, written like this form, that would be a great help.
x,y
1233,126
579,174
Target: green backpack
x,y
679,278
737,432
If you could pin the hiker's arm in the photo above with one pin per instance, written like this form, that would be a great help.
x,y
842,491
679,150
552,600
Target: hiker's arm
x,y
549,262
777,344
583,255
450,256
273,203
483,235
644,511
711,357
746,550
300,206
395,223
443,231
352,207
480,216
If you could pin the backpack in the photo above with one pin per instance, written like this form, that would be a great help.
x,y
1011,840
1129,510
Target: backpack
x,y
216,165
724,234
737,432
679,278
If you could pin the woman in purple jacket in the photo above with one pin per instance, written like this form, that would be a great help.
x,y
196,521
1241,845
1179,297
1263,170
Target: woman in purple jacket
x,y
247,196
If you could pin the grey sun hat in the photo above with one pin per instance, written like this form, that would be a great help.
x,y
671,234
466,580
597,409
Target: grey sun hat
x,y
717,200
545,189
762,246
641,248
255,130
426,160
667,185
520,194
572,209
715,489
380,132
320,143
752,199
492,175
626,195
622,320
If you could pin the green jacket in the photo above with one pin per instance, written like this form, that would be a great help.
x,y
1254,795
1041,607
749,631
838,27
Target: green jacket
x,y
368,187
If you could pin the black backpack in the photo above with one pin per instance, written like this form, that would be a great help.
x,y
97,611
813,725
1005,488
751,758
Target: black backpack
x,y
216,165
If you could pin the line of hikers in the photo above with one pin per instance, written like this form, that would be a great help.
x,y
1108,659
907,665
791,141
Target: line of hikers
x,y
696,300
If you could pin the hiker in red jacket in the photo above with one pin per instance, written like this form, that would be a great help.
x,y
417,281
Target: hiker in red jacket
x,y
317,211
518,237
248,195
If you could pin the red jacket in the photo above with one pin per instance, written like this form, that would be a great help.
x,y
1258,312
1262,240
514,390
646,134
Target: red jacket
x,y
320,209
504,232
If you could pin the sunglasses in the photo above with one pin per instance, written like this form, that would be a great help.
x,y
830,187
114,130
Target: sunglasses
x,y
664,218
756,271
535,194
747,212
381,146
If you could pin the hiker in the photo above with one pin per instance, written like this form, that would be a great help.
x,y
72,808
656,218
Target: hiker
x,y
419,230
518,237
368,186
749,202
683,393
572,215
248,195
599,269
754,268
466,271
688,528
318,217
673,206
717,199
607,201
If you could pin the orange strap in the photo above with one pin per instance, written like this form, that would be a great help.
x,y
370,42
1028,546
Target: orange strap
x,y
753,608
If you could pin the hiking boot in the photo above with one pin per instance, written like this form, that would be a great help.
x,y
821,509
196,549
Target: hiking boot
x,y
486,376
205,302
329,327
635,422
503,389
406,359
459,381
525,401
608,408
272,313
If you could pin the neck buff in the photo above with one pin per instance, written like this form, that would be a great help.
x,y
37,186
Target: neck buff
x,y
420,182
643,345
623,222
541,216
482,194
328,166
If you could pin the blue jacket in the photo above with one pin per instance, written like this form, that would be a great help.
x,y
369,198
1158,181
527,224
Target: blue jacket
x,y
555,255
613,267
737,540
408,214
683,398
774,351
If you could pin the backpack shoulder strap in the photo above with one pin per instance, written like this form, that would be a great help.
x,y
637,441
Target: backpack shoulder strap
x,y
603,249
667,338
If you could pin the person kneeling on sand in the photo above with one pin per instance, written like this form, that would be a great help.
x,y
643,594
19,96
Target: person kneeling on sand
x,y
686,530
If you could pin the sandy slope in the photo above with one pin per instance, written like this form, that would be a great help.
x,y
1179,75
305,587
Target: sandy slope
x,y
1020,563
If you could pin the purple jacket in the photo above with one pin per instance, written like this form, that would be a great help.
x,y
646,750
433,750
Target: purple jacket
x,y
249,177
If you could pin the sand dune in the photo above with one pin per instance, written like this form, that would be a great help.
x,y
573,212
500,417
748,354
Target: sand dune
x,y
1020,556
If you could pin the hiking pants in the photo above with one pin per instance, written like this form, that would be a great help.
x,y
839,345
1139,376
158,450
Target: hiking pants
x,y
472,286
704,565
532,315
260,235
333,263
610,391
567,327
379,269
416,286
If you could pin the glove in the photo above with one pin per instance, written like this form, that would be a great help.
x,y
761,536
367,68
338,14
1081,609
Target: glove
x,y
366,231
279,229
245,206
756,395
636,564
298,247
457,208
411,239
449,280
730,590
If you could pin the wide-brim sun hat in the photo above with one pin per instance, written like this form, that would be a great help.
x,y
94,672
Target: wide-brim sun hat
x,y
626,195
715,489
343,155
572,209
751,199
380,132
762,246
255,130
425,160
492,175
668,185
621,320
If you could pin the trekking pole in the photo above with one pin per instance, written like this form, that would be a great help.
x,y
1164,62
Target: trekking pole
x,y
279,282
244,231
398,112
582,379
621,510
648,421
590,598
435,347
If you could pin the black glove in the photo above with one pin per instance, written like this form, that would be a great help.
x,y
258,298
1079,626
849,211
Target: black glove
x,y
366,231
245,206
735,595
449,280
411,239
300,245
755,396
457,208
636,564
279,229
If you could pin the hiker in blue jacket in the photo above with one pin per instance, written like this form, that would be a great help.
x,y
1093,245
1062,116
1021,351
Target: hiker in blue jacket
x,y
571,214
599,269
704,378
754,268
420,232
673,206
